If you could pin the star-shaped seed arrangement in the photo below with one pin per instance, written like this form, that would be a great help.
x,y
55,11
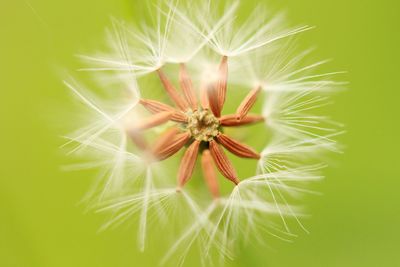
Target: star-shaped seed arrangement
x,y
199,124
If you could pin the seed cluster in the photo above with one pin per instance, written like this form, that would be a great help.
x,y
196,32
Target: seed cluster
x,y
198,120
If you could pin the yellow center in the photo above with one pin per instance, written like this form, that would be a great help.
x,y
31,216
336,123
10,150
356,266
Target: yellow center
x,y
202,125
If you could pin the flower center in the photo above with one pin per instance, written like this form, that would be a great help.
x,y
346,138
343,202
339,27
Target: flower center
x,y
202,125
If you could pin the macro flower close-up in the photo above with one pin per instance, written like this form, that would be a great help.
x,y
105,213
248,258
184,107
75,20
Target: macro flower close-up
x,y
198,86
201,126
198,133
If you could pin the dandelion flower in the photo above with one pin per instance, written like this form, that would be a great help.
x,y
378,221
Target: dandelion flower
x,y
204,59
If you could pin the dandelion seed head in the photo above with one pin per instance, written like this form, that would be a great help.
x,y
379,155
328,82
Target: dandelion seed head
x,y
202,55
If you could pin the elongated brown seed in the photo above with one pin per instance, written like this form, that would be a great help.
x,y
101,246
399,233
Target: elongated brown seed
x,y
237,148
231,120
213,103
173,94
169,147
187,87
247,103
210,176
222,81
187,164
156,107
222,162
155,120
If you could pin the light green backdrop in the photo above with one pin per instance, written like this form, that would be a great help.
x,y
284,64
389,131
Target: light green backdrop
x,y
355,223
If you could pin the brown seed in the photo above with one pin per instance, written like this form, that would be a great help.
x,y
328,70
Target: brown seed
x,y
157,107
155,120
236,147
247,103
222,162
231,120
173,94
187,87
222,81
187,164
213,100
169,145
210,175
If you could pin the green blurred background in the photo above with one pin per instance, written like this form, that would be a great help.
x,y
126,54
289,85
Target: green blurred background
x,y
355,223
